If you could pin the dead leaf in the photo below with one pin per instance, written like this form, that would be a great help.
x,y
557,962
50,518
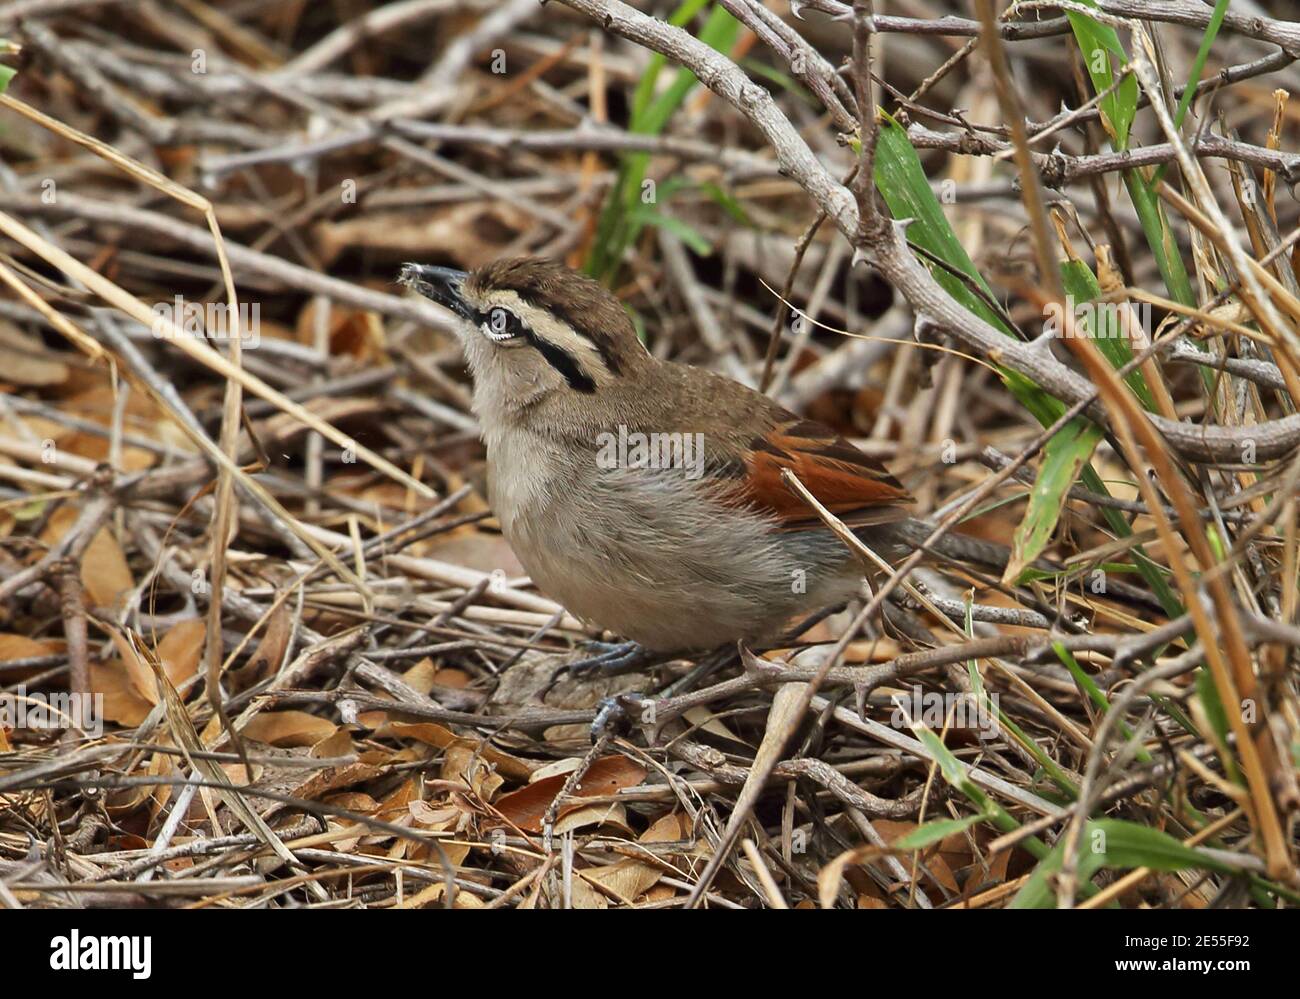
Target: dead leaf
x,y
21,647
336,745
122,702
527,807
433,894
288,728
269,654
627,878
139,673
583,816
30,371
104,572
180,650
432,734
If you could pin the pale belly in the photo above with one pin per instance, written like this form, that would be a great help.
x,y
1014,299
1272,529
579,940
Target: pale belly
x,y
653,559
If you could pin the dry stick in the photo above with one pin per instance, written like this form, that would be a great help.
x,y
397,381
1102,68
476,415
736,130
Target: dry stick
x,y
73,608
1088,791
1129,423
1031,184
783,308
1234,678
1259,755
1253,278
1059,169
770,888
206,356
1048,273
864,191
263,265
218,457
886,247
220,537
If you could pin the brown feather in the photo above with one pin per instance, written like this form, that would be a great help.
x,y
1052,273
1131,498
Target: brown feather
x,y
851,485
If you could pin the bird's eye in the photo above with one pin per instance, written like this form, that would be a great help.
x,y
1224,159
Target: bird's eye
x,y
501,324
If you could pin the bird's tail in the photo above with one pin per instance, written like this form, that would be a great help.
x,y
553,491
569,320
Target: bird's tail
x,y
912,533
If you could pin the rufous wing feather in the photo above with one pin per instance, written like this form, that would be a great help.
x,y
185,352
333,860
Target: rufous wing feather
x,y
851,485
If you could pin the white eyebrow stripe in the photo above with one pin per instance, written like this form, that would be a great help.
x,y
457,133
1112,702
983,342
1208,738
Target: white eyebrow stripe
x,y
559,334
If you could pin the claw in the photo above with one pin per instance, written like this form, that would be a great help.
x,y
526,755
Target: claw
x,y
612,716
617,659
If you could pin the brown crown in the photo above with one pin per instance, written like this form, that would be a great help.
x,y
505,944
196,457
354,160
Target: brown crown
x,y
583,304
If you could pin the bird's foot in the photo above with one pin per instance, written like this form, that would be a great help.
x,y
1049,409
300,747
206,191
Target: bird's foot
x,y
615,714
612,659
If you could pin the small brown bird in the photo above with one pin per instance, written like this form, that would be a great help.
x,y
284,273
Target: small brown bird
x,y
646,496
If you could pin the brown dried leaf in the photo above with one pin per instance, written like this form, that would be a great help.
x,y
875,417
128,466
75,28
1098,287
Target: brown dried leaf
x,y
269,653
139,673
627,878
122,701
526,807
29,370
288,728
432,734
104,572
181,648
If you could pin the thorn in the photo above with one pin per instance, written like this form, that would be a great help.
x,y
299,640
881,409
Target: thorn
x,y
1043,342
902,224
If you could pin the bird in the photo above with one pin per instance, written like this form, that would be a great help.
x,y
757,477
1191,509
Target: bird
x,y
646,496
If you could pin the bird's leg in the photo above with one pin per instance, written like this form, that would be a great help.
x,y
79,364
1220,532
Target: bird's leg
x,y
614,713
613,659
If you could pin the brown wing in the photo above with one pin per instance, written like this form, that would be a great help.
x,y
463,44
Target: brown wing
x,y
856,488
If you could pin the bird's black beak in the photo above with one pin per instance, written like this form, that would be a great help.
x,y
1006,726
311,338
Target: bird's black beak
x,y
441,284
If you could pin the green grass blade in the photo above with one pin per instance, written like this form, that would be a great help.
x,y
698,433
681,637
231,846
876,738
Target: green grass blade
x,y
1063,458
930,833
1198,67
1104,57
1102,325
1117,845
624,216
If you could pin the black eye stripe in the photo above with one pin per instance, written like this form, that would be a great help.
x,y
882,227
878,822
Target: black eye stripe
x,y
577,323
501,324
563,362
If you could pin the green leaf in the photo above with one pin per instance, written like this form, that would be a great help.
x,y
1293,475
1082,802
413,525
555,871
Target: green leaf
x,y
1063,457
935,832
1198,67
30,510
1094,693
1217,716
1101,322
622,221
989,809
1104,58
949,768
1101,49
905,188
1117,845
691,237
727,203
